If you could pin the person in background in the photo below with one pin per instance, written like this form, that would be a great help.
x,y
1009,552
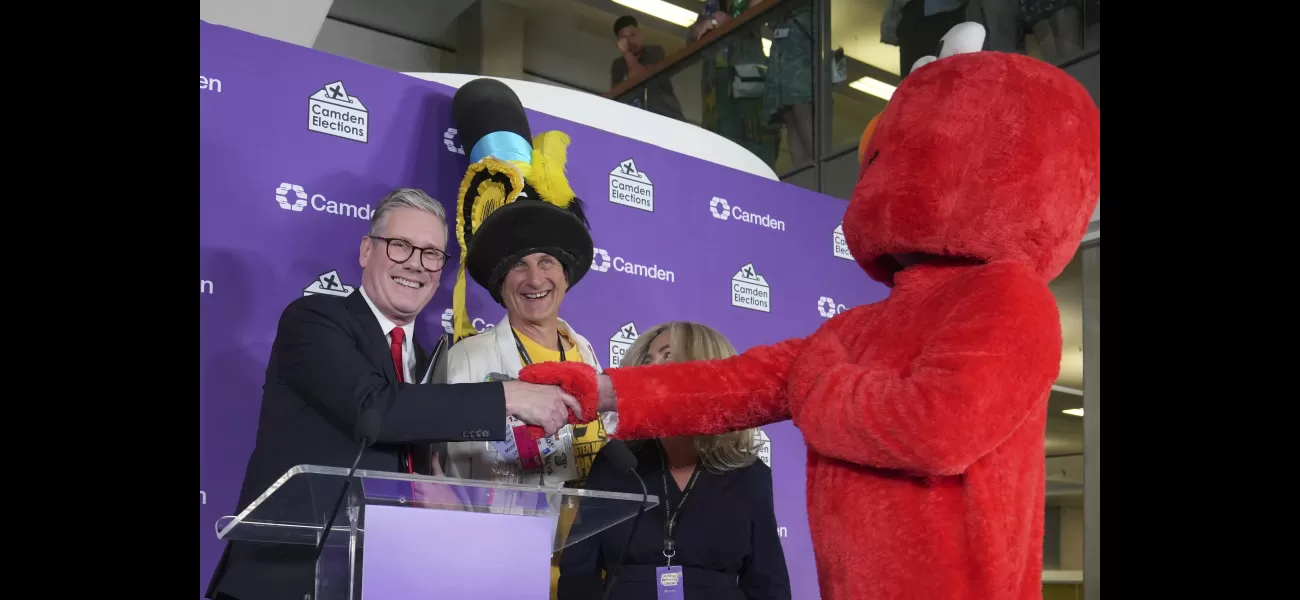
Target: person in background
x,y
712,489
918,26
634,62
788,96
732,108
336,358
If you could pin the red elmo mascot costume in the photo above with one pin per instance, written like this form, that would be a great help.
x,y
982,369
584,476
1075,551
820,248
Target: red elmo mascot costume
x,y
924,413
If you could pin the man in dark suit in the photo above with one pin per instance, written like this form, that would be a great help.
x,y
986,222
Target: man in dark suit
x,y
336,357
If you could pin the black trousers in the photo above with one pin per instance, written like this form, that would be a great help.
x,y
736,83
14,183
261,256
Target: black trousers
x,y
919,35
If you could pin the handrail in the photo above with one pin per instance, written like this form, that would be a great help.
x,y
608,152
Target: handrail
x,y
695,47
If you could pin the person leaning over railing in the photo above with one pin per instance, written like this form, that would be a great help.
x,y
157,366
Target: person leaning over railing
x,y
715,504
635,61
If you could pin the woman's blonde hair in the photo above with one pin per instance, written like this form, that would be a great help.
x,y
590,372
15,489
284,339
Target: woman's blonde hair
x,y
693,341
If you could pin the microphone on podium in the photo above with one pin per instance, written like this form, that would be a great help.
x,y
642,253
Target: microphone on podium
x,y
366,431
622,458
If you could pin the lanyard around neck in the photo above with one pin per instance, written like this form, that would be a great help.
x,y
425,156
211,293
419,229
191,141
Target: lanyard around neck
x,y
523,353
671,515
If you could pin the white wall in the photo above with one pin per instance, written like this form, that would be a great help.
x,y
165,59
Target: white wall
x,y
378,49
292,21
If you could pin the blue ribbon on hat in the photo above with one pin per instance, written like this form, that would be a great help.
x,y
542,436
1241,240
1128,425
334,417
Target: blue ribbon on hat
x,y
504,145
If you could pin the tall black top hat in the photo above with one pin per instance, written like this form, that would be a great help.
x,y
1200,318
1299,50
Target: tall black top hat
x,y
515,199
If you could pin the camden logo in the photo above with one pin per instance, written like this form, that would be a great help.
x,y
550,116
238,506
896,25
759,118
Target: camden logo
x,y
332,111
841,246
827,308
750,290
723,210
328,284
449,140
619,344
449,322
293,197
629,186
601,261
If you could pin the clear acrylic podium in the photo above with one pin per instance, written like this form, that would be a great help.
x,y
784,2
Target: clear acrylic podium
x,y
400,535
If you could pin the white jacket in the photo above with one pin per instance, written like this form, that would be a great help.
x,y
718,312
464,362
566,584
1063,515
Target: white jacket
x,y
470,361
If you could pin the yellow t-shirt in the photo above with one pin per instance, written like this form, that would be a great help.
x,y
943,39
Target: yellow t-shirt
x,y
587,441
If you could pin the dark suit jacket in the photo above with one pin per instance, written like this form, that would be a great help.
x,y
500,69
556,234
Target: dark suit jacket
x,y
329,360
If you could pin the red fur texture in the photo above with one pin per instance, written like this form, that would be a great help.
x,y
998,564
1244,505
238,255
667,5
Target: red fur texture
x,y
579,383
924,414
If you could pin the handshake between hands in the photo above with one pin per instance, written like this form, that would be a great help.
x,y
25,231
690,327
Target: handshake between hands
x,y
549,396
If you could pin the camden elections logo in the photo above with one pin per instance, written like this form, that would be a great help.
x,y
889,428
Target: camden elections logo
x,y
827,308
841,246
449,322
328,284
722,210
293,197
619,344
601,261
332,111
631,187
750,290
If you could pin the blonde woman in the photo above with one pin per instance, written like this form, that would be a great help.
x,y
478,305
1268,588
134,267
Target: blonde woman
x,y
712,489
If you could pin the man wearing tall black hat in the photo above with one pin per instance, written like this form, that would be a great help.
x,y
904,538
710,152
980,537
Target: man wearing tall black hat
x,y
527,252
524,238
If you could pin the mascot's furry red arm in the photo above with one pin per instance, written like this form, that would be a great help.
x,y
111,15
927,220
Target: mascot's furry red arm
x,y
924,413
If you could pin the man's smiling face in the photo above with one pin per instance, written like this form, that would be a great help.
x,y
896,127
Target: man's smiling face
x,y
534,288
401,290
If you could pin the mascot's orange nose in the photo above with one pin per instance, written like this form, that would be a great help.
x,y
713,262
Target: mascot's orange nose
x,y
866,137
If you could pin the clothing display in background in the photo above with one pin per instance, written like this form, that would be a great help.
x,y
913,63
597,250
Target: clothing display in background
x,y
789,95
739,119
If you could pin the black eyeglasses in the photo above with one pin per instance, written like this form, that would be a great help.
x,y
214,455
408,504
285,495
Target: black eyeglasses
x,y
400,251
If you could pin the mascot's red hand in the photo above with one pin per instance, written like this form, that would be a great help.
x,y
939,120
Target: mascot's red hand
x,y
578,379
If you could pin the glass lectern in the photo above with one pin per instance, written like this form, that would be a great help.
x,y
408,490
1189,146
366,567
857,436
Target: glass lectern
x,y
407,536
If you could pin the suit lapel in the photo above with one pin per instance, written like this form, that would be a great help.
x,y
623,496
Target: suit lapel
x,y
376,341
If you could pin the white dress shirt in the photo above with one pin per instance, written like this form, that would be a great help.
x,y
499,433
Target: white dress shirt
x,y
408,344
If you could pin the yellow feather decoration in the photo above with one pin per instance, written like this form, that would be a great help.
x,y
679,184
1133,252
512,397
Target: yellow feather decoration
x,y
488,196
550,154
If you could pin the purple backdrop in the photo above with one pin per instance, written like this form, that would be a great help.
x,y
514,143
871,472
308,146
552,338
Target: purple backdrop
x,y
296,146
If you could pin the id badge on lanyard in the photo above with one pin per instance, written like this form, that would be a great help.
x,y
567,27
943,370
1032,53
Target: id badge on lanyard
x,y
668,578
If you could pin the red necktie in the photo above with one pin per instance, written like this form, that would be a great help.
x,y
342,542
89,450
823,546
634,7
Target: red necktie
x,y
399,336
